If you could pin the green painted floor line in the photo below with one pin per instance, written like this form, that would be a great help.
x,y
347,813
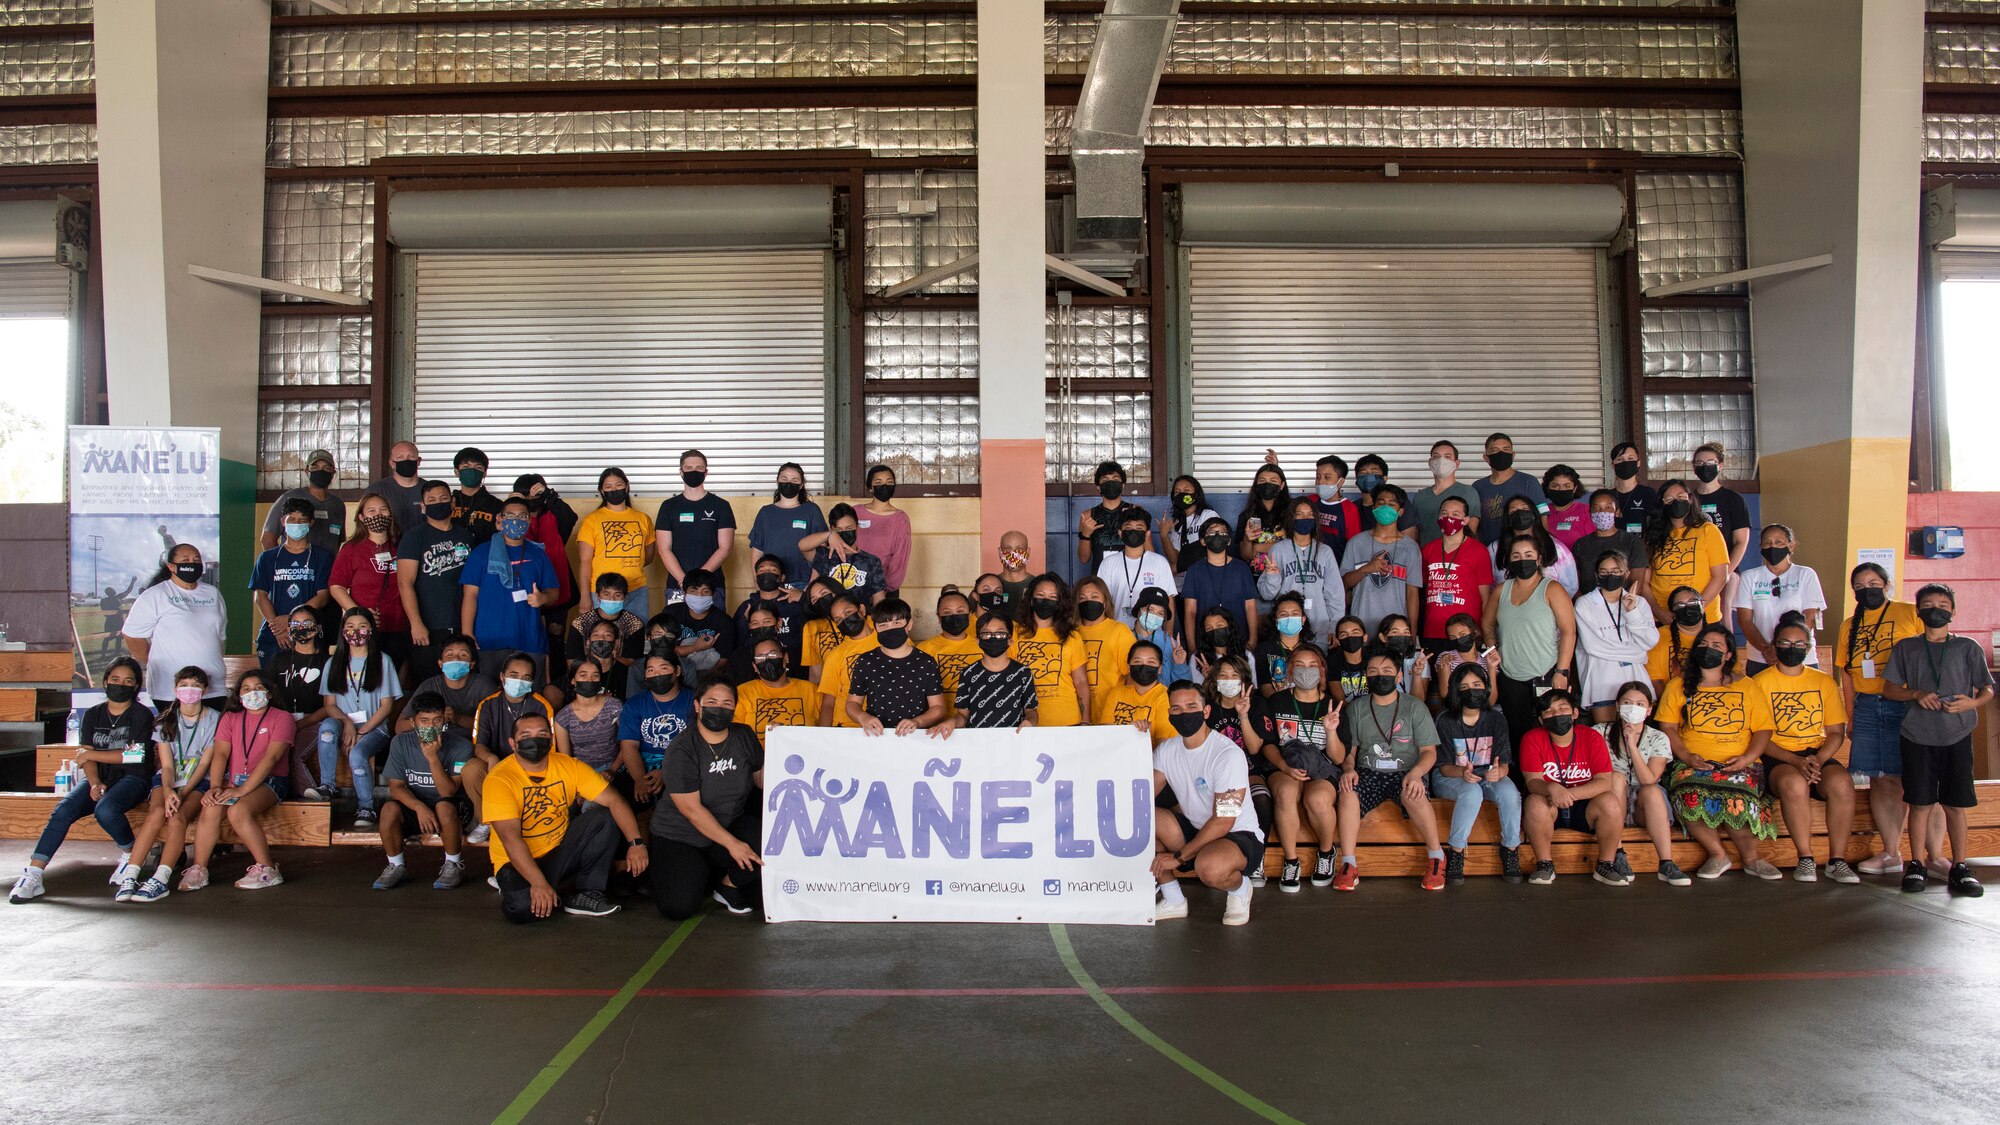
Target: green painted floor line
x,y
1140,1031
523,1103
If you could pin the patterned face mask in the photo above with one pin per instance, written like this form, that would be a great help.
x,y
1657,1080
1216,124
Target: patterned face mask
x,y
1014,560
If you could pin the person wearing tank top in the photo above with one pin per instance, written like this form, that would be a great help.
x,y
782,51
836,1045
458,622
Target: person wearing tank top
x,y
1533,623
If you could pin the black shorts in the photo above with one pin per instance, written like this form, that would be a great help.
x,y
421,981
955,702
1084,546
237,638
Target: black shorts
x,y
458,801
1246,842
622,782
1938,775
1576,818
1373,787
1771,766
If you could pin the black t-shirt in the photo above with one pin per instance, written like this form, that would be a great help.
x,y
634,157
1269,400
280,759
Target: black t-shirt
x,y
1273,661
477,513
1353,678
1106,541
1591,547
1481,746
696,527
686,629
294,678
631,634
440,558
1637,506
1227,722
1294,722
896,688
995,699
791,617
724,776
104,731
1725,507
464,700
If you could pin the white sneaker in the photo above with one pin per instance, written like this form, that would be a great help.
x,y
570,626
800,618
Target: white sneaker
x,y
29,886
1163,911
1235,910
120,869
479,835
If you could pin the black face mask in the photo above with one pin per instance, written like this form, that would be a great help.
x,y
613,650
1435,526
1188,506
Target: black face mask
x,y
602,649
717,719
790,489
189,573
588,689
1216,544
1187,722
763,633
538,503
820,607
1522,569
441,511
1561,497
1089,611
848,537
1872,597
882,492
1046,607
771,670
1706,658
660,646
1381,685
954,623
1184,500
1776,555
1558,725
1688,614
534,749
1625,470
1132,537
851,626
769,582
1111,489
1267,491
319,478
994,646
661,685
1520,519
693,478
1401,646
1304,527
1705,473
1678,509
1934,616
1145,675
121,693
1466,643
1474,698
1501,462
1610,583
618,496
993,600
405,468
893,636
1356,644
1217,638
1791,656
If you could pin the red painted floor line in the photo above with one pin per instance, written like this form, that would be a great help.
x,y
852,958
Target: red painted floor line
x,y
975,993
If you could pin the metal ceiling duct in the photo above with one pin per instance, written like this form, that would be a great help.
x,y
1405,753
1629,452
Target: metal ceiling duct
x,y
1108,139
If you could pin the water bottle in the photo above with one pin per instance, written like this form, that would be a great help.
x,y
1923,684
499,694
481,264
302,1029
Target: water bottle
x,y
64,779
73,733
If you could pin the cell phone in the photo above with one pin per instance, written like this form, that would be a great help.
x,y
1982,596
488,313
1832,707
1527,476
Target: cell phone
x,y
229,801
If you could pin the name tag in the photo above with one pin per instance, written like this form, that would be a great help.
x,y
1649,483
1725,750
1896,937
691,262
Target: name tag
x,y
866,523
1761,593
457,768
1228,807
1543,508
520,595
687,517
133,755
358,716
1635,528
383,558
799,525
1309,605
1867,667
238,778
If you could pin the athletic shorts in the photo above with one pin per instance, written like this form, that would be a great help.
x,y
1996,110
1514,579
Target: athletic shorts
x,y
1373,787
1938,775
1246,842
1771,766
1576,818
431,799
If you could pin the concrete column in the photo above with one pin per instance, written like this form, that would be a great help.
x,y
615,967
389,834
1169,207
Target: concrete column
x,y
1012,422
1833,132
181,137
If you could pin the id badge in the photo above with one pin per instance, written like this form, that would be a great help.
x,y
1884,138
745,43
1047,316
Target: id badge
x,y
1399,572
238,778
457,768
1309,605
1867,667
865,524
133,755
357,716
1229,805
520,595
1635,528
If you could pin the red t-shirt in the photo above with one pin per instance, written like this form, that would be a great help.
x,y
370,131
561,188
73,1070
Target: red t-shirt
x,y
1452,582
368,570
250,741
1585,757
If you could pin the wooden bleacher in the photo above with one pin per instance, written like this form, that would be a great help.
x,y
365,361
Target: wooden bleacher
x,y
22,815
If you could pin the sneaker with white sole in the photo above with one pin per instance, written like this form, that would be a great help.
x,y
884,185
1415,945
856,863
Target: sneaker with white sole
x,y
1257,878
1671,874
1164,911
449,876
1323,870
1544,873
316,794
259,877
1960,881
1807,871
1764,869
1235,910
1288,878
479,835
193,878
493,881
1882,863
126,889
118,870
1838,871
731,901
152,890
590,904
363,819
393,875
1606,872
1714,867
28,887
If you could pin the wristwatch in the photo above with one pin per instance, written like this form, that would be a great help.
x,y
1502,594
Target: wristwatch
x,y
637,842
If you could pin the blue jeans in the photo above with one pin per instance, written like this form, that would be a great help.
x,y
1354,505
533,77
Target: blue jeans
x,y
1466,796
120,797
638,600
1877,746
359,755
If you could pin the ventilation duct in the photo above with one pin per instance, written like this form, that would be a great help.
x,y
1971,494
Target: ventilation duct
x,y
1400,214
1108,138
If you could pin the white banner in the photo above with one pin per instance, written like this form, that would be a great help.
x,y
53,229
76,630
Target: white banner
x,y
1050,825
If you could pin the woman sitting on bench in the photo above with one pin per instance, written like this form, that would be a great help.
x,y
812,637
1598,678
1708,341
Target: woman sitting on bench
x,y
1809,723
185,739
117,758
1718,725
250,771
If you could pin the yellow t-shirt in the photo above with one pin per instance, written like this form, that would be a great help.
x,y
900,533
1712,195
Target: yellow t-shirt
x,y
953,655
1802,707
1718,721
540,801
618,542
1054,663
1686,560
839,672
1880,630
1106,647
818,638
1660,663
1125,705
760,706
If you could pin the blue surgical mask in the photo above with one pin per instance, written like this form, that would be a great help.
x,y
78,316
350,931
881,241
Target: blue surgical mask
x,y
610,607
297,531
1151,622
456,669
515,528
1291,626
517,689
700,603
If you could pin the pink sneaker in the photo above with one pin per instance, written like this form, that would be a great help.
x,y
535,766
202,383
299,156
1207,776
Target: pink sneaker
x,y
259,877
194,878
1882,863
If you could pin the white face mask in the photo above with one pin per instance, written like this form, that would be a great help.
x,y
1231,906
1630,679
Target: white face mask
x,y
1327,493
1634,713
1228,687
1442,467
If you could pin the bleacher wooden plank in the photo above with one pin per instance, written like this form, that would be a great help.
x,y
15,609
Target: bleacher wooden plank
x,y
17,705
291,824
47,667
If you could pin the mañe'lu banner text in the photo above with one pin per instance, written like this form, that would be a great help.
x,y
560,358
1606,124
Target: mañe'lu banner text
x,y
1048,825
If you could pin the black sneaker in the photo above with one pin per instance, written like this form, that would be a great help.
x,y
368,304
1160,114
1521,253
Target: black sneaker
x,y
1607,873
1622,865
592,904
1671,874
1913,877
1510,864
1454,867
1960,881
1288,880
732,899
1545,873
1323,870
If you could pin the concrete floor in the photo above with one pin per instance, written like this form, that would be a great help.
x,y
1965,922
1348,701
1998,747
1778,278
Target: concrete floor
x,y
323,1000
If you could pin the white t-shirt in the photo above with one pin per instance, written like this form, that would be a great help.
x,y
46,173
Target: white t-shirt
x,y
1126,577
1197,775
1770,596
186,627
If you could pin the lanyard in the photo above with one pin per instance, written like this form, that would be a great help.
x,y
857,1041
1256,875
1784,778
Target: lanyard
x,y
1618,618
249,753
1568,762
1931,658
181,730
1375,720
1875,634
1301,558
1131,592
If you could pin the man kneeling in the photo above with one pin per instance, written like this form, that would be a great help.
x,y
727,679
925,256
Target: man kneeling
x,y
423,787
1572,784
1214,832
540,841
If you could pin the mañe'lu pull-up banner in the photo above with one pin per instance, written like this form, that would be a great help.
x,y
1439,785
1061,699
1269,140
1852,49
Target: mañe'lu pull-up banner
x,y
1050,825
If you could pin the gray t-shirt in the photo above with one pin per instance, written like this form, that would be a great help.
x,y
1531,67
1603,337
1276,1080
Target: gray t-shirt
x,y
1956,667
1387,739
407,763
463,701
1425,504
1590,548
329,518
1379,595
405,503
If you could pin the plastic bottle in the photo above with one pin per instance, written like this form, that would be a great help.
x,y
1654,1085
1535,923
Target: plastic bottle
x,y
64,779
73,733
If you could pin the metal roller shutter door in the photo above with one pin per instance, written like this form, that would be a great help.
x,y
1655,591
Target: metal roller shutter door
x,y
563,364
33,290
1353,351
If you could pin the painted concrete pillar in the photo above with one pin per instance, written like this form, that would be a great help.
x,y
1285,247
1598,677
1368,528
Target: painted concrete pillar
x,y
181,135
1012,420
1833,134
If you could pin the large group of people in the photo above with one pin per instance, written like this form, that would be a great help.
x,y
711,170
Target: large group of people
x,y
491,669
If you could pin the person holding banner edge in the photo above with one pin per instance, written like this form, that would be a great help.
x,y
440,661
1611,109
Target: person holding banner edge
x,y
1214,832
705,835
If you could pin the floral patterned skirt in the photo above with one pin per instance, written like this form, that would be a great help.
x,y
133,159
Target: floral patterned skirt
x,y
1721,800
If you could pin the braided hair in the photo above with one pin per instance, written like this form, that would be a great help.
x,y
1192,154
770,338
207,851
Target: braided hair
x,y
1854,621
1691,670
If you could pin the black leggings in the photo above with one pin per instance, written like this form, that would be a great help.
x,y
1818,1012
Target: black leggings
x,y
684,874
1517,704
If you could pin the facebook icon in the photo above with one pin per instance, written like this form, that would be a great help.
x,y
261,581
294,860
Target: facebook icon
x,y
934,886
